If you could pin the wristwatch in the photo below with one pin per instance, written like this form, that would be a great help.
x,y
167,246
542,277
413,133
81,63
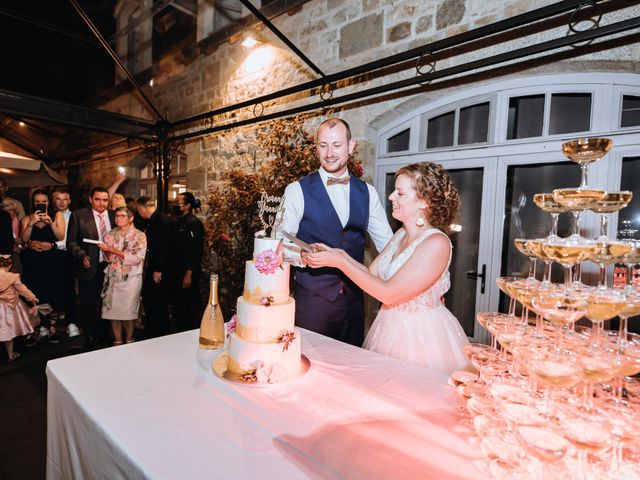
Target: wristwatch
x,y
54,245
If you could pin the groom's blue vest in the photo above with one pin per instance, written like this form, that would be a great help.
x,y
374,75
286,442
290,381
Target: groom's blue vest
x,y
320,224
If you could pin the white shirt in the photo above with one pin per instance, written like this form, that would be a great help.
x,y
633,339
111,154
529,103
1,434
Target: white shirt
x,y
378,226
96,217
62,244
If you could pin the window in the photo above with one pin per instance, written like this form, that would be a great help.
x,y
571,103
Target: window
x,y
474,124
526,117
570,112
470,122
630,111
133,41
225,12
399,142
629,217
147,181
440,130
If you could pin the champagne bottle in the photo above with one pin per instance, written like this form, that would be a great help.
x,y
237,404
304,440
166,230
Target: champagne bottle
x,y
212,325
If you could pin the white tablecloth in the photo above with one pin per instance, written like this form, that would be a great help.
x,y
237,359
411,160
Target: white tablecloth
x,y
155,409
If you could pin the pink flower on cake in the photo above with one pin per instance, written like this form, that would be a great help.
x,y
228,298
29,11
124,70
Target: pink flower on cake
x,y
268,262
230,326
263,373
285,339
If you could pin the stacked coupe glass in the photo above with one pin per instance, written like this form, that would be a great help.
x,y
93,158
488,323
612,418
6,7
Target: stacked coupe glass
x,y
552,399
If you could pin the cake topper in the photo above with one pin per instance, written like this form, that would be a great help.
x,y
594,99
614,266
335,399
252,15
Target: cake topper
x,y
271,212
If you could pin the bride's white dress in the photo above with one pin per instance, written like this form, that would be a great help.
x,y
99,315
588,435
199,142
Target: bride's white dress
x,y
420,330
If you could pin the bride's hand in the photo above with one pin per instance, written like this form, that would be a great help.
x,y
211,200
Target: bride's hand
x,y
324,256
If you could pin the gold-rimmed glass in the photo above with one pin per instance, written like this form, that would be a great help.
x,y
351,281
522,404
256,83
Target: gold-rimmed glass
x,y
522,244
576,201
584,151
546,203
611,202
567,252
602,305
631,258
607,253
559,308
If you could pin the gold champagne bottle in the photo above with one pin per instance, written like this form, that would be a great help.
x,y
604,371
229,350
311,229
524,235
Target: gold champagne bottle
x,y
212,325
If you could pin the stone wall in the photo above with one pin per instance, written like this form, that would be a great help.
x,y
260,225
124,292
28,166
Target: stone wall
x,y
336,35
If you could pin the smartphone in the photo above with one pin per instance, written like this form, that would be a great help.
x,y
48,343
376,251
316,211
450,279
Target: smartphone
x,y
41,208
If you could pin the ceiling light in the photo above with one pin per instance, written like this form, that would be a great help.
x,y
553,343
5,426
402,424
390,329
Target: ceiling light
x,y
151,82
22,124
250,42
6,170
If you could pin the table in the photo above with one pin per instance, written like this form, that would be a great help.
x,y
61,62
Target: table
x,y
154,409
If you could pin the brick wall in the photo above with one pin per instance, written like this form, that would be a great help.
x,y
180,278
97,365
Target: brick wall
x,y
336,34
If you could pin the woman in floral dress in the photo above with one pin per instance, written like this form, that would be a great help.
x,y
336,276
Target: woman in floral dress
x,y
124,248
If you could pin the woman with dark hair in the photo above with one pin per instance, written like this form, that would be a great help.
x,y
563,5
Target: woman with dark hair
x,y
411,275
186,255
125,248
41,262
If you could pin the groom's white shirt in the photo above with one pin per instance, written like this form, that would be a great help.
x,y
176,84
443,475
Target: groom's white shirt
x,y
378,226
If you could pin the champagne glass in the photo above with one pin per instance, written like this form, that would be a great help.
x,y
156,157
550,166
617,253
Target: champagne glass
x,y
584,151
606,253
522,244
503,284
559,308
544,444
611,202
535,247
588,432
577,200
553,370
602,305
568,252
485,318
630,259
630,308
546,203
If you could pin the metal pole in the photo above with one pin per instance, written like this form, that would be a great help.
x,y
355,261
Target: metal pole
x,y
113,55
456,40
282,37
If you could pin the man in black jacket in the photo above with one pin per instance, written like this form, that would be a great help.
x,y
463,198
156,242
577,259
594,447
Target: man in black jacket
x,y
155,288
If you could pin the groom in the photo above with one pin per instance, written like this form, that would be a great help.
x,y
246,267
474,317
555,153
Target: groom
x,y
328,206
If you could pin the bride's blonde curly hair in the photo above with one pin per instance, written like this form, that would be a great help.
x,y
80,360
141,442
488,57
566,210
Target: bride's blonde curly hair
x,y
433,183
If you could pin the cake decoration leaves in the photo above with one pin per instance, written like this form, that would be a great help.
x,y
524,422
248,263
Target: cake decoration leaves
x,y
285,339
267,301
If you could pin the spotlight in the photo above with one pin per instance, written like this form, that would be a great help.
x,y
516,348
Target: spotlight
x,y
250,42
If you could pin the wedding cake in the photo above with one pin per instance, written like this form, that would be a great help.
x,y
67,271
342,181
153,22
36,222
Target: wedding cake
x,y
264,345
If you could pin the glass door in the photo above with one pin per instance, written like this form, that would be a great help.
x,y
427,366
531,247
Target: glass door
x,y
471,267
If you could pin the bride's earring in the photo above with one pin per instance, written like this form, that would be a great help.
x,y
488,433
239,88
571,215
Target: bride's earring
x,y
420,220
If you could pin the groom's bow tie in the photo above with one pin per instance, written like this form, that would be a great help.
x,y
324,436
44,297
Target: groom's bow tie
x,y
337,181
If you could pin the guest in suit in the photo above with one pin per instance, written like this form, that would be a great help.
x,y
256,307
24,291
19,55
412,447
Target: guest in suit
x,y
330,207
93,223
155,288
6,234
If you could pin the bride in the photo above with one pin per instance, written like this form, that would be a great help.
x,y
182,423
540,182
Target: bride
x,y
411,274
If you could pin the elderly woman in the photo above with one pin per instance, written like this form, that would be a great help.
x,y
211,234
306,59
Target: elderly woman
x,y
124,248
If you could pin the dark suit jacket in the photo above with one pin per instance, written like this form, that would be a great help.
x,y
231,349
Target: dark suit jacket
x,y
6,234
82,224
159,230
